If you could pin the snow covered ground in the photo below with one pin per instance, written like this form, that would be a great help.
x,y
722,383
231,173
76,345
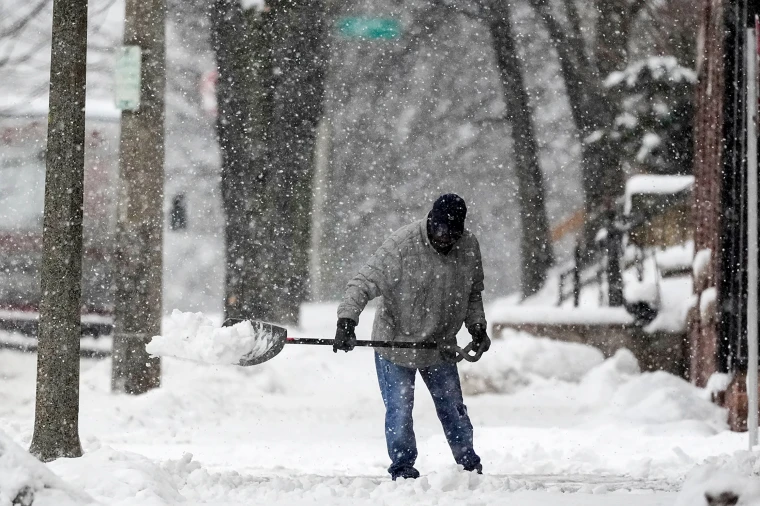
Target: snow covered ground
x,y
555,424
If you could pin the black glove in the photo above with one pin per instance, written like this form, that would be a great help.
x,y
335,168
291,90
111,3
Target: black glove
x,y
448,353
345,337
480,340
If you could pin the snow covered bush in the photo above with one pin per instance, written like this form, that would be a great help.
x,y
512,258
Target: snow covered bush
x,y
654,124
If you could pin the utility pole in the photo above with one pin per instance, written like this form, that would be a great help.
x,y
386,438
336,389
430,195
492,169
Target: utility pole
x,y
56,417
751,52
140,215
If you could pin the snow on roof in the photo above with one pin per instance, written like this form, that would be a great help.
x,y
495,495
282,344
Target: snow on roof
x,y
654,184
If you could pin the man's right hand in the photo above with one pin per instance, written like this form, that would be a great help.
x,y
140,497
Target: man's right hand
x,y
345,337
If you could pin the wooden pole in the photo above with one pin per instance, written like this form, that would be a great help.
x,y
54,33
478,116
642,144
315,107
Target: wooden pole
x,y
140,215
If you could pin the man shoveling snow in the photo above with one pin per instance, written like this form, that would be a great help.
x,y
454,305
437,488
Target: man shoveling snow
x,y
430,276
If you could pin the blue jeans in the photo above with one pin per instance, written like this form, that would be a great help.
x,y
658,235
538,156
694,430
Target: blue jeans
x,y
397,389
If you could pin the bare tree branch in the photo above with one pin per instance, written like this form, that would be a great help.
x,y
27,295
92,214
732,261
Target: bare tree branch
x,y
576,34
578,81
22,22
26,56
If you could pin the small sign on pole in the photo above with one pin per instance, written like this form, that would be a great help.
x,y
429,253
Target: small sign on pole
x,y
128,64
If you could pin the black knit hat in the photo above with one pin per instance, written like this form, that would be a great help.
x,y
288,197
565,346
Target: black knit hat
x,y
449,211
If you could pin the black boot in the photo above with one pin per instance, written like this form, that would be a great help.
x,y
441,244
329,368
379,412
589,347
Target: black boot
x,y
406,473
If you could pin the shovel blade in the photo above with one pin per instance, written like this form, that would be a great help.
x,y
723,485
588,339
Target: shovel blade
x,y
268,341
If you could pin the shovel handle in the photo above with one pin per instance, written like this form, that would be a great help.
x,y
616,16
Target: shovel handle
x,y
371,344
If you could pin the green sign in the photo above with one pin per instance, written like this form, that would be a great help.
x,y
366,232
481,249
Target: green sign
x,y
128,78
369,28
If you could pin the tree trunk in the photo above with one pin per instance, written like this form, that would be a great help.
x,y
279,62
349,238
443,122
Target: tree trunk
x,y
611,54
299,60
243,158
259,92
56,421
592,108
139,234
613,31
535,241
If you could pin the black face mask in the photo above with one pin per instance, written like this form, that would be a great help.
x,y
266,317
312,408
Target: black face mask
x,y
441,237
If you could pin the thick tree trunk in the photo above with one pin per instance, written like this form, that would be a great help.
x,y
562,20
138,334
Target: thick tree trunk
x,y
140,216
299,58
56,420
243,166
535,241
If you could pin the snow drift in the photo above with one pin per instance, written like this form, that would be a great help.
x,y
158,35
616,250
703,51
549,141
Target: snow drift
x,y
25,481
711,486
615,387
520,359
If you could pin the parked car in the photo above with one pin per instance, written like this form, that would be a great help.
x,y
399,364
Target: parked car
x,y
22,189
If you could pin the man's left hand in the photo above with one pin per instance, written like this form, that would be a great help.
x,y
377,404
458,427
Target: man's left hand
x,y
480,340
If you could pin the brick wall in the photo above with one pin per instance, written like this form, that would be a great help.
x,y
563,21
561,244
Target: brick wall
x,y
708,160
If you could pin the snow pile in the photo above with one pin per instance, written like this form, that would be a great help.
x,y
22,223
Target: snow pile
x,y
657,400
119,478
712,486
25,481
615,387
662,398
599,385
192,336
676,299
518,359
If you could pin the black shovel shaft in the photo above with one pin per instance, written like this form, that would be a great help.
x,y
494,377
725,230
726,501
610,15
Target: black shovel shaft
x,y
371,344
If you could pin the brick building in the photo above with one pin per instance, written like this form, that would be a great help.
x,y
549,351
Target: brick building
x,y
717,328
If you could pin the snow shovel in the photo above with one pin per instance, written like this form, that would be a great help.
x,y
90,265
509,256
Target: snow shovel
x,y
271,339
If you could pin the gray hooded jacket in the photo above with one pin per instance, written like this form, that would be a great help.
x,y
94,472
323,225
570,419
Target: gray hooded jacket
x,y
426,296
